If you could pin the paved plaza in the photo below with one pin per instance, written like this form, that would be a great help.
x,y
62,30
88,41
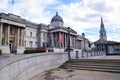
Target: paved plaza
x,y
63,74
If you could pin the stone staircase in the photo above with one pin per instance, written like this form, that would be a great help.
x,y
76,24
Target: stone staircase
x,y
105,65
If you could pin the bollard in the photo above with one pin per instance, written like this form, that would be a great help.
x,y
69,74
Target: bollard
x,y
77,55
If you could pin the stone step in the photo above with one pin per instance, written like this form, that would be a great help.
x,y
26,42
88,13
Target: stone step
x,y
93,62
108,65
101,64
94,69
96,60
98,67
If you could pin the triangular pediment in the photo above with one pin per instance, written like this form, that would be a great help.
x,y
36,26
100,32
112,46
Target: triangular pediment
x,y
62,29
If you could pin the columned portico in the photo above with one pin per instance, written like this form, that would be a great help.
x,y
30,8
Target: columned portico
x,y
4,37
20,40
59,40
11,38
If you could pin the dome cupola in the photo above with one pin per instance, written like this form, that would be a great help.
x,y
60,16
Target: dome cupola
x,y
56,18
57,21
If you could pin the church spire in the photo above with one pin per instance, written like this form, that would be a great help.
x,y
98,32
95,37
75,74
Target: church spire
x,y
101,20
102,24
102,31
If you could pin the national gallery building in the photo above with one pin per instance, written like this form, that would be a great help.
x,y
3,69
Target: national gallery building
x,y
19,34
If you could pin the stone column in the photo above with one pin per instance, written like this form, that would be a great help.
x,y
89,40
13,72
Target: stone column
x,y
62,44
6,34
8,37
21,37
70,42
1,31
74,41
62,40
38,39
104,47
15,40
100,49
52,35
55,39
18,37
59,41
65,40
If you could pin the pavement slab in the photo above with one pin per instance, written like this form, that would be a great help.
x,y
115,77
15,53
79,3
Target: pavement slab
x,y
67,74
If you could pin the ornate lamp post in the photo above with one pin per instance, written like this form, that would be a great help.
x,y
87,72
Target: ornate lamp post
x,y
68,46
83,44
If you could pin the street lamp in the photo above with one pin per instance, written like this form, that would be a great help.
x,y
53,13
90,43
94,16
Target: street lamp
x,y
83,35
68,46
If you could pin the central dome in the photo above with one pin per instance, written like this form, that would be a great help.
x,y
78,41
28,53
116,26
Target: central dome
x,y
56,18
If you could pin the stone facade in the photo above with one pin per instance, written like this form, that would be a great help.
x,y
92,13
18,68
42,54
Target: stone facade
x,y
17,34
12,33
110,47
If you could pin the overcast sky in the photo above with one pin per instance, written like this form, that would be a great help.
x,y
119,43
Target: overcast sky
x,y
80,15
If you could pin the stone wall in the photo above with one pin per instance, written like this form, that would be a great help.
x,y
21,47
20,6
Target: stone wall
x,y
23,67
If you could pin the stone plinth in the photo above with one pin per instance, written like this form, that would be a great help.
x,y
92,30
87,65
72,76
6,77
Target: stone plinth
x,y
23,67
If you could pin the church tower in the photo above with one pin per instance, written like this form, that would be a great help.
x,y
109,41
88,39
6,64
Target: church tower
x,y
103,35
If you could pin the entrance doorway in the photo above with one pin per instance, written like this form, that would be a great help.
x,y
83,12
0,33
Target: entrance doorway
x,y
11,46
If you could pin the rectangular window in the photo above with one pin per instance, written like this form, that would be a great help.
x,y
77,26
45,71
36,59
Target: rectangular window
x,y
25,33
31,34
44,36
36,44
36,34
25,43
30,44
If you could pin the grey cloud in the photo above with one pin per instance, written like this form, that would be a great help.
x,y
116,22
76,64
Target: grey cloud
x,y
81,19
100,7
93,15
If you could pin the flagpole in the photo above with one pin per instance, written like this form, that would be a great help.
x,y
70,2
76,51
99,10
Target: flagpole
x,y
12,4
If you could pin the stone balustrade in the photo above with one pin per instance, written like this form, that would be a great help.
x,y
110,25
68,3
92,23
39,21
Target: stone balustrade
x,y
23,67
87,54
